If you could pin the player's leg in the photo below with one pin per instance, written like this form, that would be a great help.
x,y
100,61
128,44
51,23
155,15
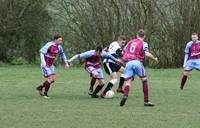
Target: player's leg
x,y
47,84
110,84
146,92
186,73
45,71
93,73
111,70
92,83
184,78
49,73
98,73
129,76
121,80
140,71
126,92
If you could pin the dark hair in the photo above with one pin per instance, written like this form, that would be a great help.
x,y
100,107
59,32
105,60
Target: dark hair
x,y
57,36
122,37
141,33
98,49
194,33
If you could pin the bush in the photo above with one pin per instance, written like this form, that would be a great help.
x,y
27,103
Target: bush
x,y
18,61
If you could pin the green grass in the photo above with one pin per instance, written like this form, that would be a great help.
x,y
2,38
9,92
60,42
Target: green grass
x,y
71,107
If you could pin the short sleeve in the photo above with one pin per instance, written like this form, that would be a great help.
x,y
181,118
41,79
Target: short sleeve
x,y
145,46
187,48
45,48
87,54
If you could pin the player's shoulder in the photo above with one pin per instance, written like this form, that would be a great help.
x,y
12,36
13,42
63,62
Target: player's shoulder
x,y
90,52
189,43
144,42
49,43
115,43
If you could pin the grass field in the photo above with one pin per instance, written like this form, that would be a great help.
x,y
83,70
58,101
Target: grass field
x,y
71,107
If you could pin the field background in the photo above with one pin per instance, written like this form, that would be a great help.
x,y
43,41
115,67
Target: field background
x,y
71,107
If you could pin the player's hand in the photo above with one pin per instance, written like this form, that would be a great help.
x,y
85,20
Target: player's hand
x,y
69,63
156,59
120,62
66,65
184,65
43,65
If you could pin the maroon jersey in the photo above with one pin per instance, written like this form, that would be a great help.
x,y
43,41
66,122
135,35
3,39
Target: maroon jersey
x,y
93,61
194,51
134,50
51,54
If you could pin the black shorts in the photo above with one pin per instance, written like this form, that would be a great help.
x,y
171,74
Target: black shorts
x,y
111,67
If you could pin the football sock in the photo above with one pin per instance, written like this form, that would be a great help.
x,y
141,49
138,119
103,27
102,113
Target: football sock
x,y
121,82
126,90
46,86
92,83
184,79
109,86
97,89
145,90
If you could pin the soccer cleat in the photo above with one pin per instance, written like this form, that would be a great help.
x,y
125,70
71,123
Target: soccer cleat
x,y
123,101
45,95
39,89
149,104
103,95
120,90
94,96
90,92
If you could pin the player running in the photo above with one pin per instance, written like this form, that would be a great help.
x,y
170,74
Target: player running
x,y
134,54
48,54
111,68
192,58
92,66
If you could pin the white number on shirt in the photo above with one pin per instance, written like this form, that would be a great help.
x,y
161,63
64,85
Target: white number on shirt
x,y
133,46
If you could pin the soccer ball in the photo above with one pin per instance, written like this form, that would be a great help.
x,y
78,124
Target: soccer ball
x,y
109,94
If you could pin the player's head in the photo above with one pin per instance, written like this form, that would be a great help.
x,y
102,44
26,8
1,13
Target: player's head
x,y
58,39
121,40
98,50
194,36
141,34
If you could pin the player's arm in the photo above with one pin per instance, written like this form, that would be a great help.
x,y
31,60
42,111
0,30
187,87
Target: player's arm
x,y
43,51
185,60
43,62
82,56
106,49
147,53
109,56
63,56
187,49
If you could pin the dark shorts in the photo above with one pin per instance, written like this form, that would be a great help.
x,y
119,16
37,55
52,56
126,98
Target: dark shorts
x,y
111,67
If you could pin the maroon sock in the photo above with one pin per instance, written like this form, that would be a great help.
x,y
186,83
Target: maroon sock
x,y
126,90
145,90
92,82
184,79
46,86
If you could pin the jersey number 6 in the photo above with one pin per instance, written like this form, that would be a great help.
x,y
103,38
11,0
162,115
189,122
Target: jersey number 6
x,y
133,46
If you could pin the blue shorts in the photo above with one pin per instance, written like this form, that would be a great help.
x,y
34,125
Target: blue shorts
x,y
90,69
48,71
192,64
133,68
